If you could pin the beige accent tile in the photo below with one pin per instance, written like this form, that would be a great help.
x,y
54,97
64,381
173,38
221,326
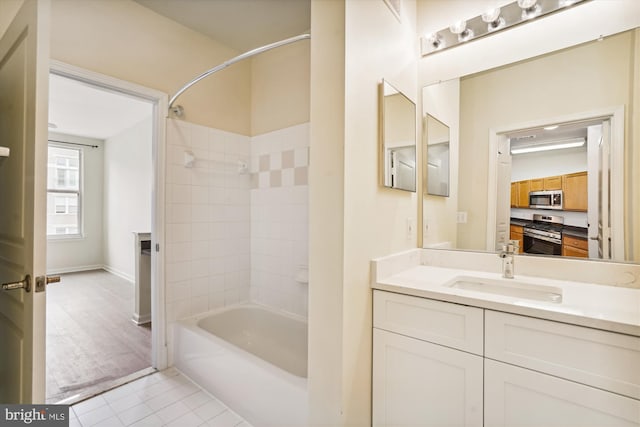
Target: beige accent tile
x,y
300,176
287,159
275,179
265,162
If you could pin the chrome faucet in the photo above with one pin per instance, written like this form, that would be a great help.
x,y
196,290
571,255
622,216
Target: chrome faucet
x,y
507,253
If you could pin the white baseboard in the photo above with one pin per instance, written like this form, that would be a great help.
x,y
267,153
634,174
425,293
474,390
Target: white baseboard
x,y
74,269
121,274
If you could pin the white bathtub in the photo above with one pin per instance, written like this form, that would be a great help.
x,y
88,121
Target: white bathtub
x,y
251,358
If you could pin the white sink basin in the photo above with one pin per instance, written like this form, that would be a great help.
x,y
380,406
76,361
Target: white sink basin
x,y
507,287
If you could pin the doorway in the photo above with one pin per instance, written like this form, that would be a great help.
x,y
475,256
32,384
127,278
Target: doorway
x,y
105,325
581,159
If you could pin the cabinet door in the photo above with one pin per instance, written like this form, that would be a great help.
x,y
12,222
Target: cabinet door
x,y
514,194
575,191
552,183
517,397
523,194
536,184
416,383
574,252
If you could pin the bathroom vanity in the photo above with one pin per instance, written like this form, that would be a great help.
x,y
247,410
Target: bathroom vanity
x,y
465,347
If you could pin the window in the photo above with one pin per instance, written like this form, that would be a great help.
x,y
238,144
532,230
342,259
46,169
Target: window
x,y
63,192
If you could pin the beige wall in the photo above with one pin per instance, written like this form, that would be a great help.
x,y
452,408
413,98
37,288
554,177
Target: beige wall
x,y
280,88
439,226
557,84
353,219
8,9
125,40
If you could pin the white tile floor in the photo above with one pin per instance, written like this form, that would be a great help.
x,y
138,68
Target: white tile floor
x,y
165,398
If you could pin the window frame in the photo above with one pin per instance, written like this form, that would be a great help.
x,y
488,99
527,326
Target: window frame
x,y
58,192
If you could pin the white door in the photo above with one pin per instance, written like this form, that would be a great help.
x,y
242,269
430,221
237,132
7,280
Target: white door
x,y
417,383
24,87
503,194
604,193
517,397
594,141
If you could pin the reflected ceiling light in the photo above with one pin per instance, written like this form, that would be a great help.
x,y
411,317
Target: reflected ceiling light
x,y
558,144
492,21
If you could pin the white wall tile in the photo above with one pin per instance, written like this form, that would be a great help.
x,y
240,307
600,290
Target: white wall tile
x,y
227,242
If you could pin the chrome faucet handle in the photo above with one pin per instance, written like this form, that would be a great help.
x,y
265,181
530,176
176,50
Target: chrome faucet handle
x,y
514,245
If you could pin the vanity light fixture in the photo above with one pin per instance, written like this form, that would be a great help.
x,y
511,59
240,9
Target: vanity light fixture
x,y
492,21
557,144
552,127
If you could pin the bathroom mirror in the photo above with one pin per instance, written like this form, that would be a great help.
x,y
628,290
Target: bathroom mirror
x,y
436,149
397,139
490,110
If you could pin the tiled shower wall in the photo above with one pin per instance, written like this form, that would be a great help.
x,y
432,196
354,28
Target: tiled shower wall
x,y
235,233
208,220
279,218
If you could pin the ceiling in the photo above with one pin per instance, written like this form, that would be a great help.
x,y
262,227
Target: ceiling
x,y
240,24
80,109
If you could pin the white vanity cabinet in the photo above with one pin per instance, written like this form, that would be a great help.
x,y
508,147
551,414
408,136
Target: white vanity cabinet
x,y
421,375
519,397
544,373
437,363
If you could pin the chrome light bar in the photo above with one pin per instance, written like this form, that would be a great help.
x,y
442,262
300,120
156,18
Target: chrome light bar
x,y
491,22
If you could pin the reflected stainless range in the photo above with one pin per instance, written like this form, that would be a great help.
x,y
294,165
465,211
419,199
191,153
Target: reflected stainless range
x,y
544,235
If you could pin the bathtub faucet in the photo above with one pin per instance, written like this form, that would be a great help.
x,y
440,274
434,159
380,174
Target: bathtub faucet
x,y
507,253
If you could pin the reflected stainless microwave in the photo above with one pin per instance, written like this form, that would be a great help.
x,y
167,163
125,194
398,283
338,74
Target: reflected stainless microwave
x,y
545,199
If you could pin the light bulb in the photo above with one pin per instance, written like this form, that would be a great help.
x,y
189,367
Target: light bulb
x,y
435,40
458,27
491,15
493,19
527,4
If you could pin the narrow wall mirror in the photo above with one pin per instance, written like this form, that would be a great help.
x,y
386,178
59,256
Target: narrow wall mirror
x,y
437,157
397,139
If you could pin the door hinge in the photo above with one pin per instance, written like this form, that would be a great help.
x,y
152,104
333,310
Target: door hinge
x,y
157,247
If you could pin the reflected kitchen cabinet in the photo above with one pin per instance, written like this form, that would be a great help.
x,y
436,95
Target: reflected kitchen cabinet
x,y
520,194
574,187
546,183
517,233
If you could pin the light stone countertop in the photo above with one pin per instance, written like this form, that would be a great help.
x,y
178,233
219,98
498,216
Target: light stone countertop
x,y
598,306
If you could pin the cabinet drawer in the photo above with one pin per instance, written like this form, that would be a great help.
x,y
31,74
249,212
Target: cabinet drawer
x,y
575,242
516,228
606,360
444,323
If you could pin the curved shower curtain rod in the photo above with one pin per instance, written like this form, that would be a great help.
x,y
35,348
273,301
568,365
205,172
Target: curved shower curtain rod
x,y
179,111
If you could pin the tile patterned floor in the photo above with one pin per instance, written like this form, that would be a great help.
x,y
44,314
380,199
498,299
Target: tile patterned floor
x,y
165,398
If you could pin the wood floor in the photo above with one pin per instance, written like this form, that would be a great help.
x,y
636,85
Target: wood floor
x,y
91,339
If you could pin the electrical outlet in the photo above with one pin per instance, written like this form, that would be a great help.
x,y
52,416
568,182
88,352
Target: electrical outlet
x,y
410,228
461,218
